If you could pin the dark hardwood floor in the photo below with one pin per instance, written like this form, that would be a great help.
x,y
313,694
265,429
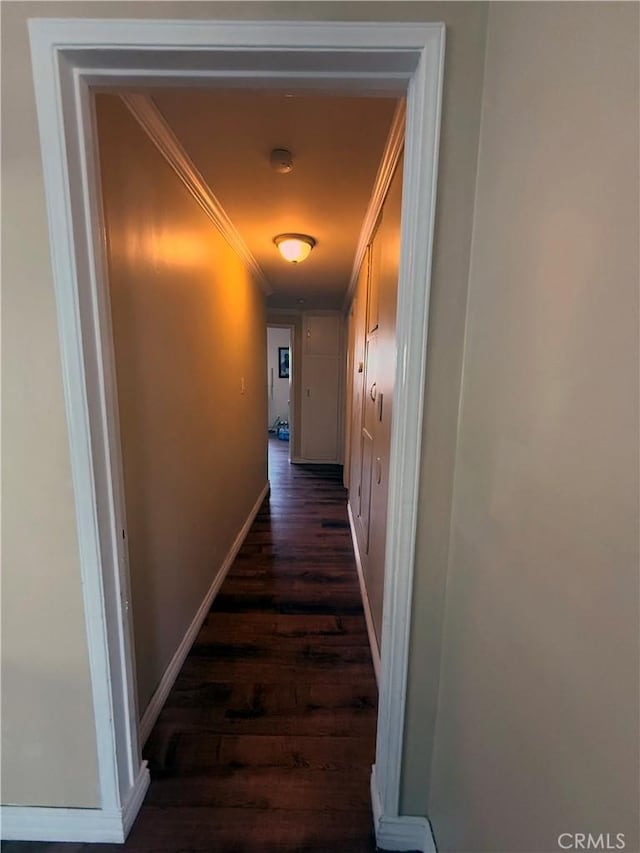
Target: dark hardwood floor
x,y
267,738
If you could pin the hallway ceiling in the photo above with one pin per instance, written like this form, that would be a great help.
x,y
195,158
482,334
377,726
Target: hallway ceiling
x,y
337,144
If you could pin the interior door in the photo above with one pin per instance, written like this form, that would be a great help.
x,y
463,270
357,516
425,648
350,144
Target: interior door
x,y
369,409
321,367
373,300
357,380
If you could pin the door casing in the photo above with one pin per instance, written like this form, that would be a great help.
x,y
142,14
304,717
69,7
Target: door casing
x,y
69,56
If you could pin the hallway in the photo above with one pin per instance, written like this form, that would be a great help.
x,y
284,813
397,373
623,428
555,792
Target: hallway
x,y
267,739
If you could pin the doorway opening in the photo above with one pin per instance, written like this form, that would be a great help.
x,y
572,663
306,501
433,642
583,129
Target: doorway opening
x,y
69,58
187,327
279,385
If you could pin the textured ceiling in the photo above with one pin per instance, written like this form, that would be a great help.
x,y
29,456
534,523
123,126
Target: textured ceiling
x,y
337,144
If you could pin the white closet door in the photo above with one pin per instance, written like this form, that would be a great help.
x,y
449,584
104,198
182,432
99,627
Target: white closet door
x,y
321,368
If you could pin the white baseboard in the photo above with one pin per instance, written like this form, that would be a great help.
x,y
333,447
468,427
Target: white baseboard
x,y
401,832
35,823
135,799
373,640
158,699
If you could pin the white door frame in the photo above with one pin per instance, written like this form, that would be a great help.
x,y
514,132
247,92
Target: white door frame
x,y
293,367
71,55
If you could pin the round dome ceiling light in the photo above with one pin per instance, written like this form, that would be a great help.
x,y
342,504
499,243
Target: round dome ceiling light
x,y
281,160
294,248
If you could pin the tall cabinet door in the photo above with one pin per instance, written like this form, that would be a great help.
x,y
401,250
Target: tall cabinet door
x,y
321,365
373,296
369,403
386,275
374,359
357,379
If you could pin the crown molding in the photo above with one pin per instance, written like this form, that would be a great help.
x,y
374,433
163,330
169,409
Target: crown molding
x,y
154,124
390,156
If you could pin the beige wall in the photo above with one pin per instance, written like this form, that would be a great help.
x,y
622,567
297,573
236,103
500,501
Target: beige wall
x,y
537,729
189,326
555,208
48,736
37,484
464,61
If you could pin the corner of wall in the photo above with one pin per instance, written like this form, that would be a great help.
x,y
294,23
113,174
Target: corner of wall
x,y
449,312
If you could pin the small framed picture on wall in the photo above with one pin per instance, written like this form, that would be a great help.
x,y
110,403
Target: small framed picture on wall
x,y
283,362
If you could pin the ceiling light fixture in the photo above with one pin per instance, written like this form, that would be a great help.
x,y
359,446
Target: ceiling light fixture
x,y
294,248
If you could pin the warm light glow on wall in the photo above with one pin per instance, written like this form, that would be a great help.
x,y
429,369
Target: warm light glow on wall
x,y
294,247
164,246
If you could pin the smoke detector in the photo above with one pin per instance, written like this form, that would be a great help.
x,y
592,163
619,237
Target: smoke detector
x,y
281,160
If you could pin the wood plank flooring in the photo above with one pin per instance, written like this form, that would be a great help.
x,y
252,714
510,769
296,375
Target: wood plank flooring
x,y
267,739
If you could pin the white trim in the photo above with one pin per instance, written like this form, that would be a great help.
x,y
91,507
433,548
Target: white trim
x,y
399,833
112,512
420,170
207,37
135,799
32,823
390,156
82,383
371,631
26,823
154,124
300,460
298,312
158,699
69,56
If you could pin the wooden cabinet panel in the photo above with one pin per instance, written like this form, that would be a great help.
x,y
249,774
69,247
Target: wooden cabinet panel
x,y
364,513
320,409
322,334
370,400
357,378
321,380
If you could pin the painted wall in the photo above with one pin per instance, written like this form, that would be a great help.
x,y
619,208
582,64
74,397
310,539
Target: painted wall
x,y
189,329
537,730
48,734
464,62
278,389
41,581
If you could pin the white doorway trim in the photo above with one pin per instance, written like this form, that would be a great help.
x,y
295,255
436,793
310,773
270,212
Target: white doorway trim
x,y
71,55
